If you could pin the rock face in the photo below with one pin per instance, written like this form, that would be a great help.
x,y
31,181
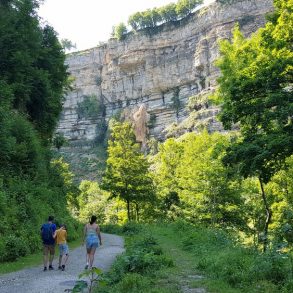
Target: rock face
x,y
159,71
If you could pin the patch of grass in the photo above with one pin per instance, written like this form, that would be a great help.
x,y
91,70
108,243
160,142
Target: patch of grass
x,y
31,260
202,257
226,265
137,268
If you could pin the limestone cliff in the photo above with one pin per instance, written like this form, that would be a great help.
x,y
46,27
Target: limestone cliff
x,y
159,71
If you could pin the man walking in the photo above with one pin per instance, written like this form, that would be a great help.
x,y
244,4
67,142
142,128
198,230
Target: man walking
x,y
47,231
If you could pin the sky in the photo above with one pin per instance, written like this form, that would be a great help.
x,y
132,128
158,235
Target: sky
x,y
88,22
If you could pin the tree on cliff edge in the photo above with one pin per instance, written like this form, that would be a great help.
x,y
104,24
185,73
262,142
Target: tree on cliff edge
x,y
127,175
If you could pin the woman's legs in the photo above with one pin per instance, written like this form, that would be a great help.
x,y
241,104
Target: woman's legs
x,y
92,256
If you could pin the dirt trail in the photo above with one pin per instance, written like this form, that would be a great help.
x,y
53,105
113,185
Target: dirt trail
x,y
34,280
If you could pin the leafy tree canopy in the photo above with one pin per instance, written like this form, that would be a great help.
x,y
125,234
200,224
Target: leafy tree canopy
x,y
127,175
33,74
151,18
256,91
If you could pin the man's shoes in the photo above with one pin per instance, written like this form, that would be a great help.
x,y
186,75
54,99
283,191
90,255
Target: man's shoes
x,y
51,268
86,267
45,268
59,268
63,267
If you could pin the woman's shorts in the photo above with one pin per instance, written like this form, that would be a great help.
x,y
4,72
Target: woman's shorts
x,y
63,249
92,241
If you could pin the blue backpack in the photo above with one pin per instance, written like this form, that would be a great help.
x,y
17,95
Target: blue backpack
x,y
47,233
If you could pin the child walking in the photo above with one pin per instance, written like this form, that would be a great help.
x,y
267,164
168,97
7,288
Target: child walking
x,y
61,236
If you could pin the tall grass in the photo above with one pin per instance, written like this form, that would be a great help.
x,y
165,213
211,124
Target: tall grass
x,y
218,255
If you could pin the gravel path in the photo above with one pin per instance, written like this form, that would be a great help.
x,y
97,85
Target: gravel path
x,y
34,280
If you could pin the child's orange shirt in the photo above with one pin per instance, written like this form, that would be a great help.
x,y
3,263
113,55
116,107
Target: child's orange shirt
x,y
61,235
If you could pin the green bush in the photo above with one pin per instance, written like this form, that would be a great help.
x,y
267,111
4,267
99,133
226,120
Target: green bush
x,y
14,248
288,287
90,108
196,239
120,31
131,228
111,229
143,257
147,244
145,262
132,283
32,236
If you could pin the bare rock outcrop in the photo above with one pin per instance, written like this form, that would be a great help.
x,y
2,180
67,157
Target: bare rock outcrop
x,y
159,71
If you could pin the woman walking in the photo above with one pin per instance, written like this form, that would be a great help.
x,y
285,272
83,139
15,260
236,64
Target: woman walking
x,y
92,236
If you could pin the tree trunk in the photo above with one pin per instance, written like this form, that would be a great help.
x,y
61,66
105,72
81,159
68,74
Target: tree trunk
x,y
137,211
268,216
128,210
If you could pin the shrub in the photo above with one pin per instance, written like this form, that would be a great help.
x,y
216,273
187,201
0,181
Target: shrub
x,y
111,228
120,31
143,256
138,261
147,244
90,108
14,248
131,228
132,283
288,287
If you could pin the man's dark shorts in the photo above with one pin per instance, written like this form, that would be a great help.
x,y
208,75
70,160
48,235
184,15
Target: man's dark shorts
x,y
48,248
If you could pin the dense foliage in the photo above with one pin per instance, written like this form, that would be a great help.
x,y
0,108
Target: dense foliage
x,y
256,90
192,169
33,79
133,270
127,176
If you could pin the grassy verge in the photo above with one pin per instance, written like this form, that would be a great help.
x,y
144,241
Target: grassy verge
x,y
30,260
137,269
203,259
225,265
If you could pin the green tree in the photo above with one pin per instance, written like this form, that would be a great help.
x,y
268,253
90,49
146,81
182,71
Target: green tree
x,y
164,166
168,12
256,91
31,64
191,168
92,201
127,175
185,7
59,140
210,194
134,21
120,31
67,44
32,82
